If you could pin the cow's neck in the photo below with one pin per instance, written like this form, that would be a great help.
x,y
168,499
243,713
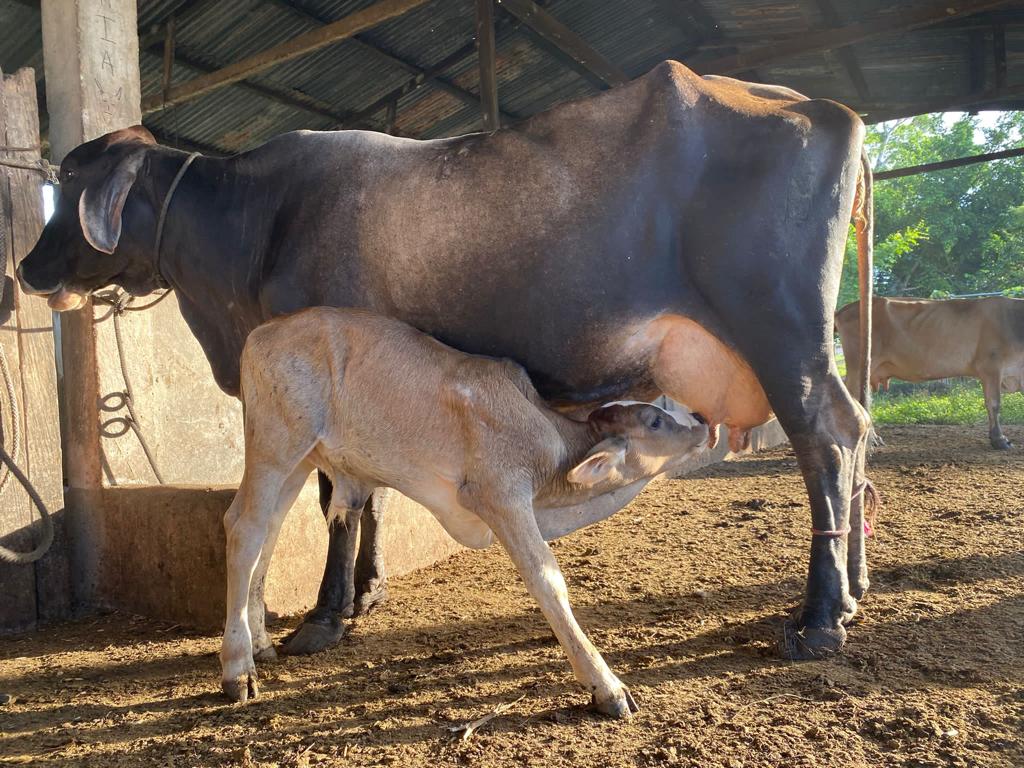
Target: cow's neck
x,y
215,239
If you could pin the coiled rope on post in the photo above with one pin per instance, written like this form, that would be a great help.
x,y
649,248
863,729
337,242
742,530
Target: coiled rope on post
x,y
120,302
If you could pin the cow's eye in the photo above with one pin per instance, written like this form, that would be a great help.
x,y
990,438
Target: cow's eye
x,y
69,174
656,423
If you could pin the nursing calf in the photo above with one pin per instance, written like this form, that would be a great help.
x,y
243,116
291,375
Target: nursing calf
x,y
370,402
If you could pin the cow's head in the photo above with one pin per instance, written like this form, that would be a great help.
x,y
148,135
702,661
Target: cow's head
x,y
636,442
79,250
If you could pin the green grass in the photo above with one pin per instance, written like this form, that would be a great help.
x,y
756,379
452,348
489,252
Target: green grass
x,y
961,402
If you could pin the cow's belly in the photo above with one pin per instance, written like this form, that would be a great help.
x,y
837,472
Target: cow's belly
x,y
691,365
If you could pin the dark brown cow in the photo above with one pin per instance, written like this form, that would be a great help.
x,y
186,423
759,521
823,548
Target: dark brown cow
x,y
680,235
924,339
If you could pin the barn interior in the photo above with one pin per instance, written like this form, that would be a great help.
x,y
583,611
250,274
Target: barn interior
x,y
221,76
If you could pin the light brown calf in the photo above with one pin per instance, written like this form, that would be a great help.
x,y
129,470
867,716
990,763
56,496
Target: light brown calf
x,y
923,339
372,402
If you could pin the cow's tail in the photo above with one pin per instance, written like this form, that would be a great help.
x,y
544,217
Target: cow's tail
x,y
864,226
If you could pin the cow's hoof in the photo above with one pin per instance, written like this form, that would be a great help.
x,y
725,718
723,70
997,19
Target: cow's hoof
x,y
620,704
1001,444
373,595
313,636
811,642
265,654
241,688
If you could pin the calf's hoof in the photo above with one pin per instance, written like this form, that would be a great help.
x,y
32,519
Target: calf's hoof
x,y
313,636
859,587
1001,443
241,688
373,594
809,643
618,704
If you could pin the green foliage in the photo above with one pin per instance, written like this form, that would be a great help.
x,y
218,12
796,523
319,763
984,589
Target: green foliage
x,y
950,232
961,403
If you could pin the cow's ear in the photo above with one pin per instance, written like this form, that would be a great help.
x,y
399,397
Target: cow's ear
x,y
604,458
100,206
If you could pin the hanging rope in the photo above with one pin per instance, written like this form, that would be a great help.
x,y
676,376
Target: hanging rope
x,y
120,302
10,460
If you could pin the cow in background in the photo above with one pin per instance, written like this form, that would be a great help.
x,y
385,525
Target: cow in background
x,y
927,339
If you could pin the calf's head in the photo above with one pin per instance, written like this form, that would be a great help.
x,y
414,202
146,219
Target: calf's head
x,y
80,248
635,442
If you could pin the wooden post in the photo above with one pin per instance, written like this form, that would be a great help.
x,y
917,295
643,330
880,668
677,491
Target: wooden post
x,y
486,55
91,56
41,590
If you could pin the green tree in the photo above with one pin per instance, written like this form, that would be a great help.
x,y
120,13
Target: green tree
x,y
950,232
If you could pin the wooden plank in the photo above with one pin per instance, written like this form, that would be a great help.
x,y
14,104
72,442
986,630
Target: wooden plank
x,y
877,113
563,38
912,170
314,40
42,449
882,25
18,606
976,61
486,52
999,55
168,71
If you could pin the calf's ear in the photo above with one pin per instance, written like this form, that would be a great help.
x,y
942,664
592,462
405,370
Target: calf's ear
x,y
604,458
100,206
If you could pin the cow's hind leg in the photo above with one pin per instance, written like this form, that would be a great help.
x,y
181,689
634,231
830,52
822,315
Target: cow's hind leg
x,y
828,432
516,528
322,627
990,384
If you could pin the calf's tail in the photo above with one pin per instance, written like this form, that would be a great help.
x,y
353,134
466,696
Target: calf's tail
x,y
864,226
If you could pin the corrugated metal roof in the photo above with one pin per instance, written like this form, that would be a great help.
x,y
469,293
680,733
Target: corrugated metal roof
x,y
347,77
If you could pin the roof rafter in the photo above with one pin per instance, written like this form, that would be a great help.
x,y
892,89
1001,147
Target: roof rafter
x,y
845,54
315,39
564,39
375,49
838,37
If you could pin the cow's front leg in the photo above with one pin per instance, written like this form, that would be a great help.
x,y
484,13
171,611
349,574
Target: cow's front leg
x,y
371,586
990,384
516,529
323,627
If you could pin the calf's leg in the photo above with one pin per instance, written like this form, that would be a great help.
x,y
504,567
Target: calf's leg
x,y
990,384
254,518
516,529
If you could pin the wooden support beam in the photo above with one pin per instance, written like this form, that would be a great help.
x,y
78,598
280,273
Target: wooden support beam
x,y
880,26
314,40
911,170
999,55
487,57
847,57
563,38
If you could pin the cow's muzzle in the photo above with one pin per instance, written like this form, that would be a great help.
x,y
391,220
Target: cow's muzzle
x,y
59,298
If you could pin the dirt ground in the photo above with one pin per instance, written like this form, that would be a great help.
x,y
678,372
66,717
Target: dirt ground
x,y
684,592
